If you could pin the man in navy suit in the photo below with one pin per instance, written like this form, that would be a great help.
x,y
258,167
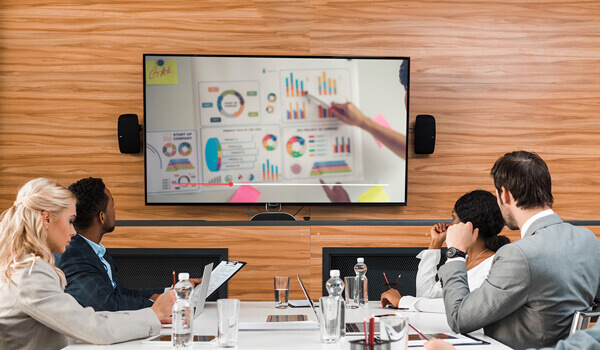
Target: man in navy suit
x,y
92,278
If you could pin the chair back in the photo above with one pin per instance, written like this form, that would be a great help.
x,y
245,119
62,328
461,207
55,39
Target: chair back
x,y
581,319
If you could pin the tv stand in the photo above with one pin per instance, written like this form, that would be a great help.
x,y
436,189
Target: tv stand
x,y
273,215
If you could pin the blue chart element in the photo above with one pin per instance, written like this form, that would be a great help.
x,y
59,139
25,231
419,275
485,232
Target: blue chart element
x,y
213,154
240,103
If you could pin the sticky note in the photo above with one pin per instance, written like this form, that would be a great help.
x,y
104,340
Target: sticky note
x,y
246,194
161,75
374,194
380,119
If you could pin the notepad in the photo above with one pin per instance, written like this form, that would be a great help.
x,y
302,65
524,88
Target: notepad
x,y
222,273
414,340
279,326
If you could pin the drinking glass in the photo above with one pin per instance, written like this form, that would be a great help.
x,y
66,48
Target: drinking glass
x,y
395,329
282,292
351,292
228,314
330,318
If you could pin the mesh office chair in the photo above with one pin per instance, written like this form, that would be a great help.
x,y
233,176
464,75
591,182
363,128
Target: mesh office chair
x,y
581,319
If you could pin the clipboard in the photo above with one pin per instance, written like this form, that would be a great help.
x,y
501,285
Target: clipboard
x,y
223,273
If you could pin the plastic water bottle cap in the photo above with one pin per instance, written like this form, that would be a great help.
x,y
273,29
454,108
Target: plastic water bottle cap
x,y
360,260
334,273
184,276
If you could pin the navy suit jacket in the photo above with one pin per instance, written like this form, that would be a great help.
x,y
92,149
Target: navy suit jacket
x,y
89,284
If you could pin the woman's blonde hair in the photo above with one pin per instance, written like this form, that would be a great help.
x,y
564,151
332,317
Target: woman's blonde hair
x,y
22,234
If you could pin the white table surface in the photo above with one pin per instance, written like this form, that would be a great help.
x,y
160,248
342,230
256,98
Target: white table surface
x,y
206,324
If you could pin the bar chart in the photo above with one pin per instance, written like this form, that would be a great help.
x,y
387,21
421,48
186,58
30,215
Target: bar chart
x,y
297,110
270,172
342,145
330,85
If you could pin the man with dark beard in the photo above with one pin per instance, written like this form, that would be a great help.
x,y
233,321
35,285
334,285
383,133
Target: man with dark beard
x,y
91,275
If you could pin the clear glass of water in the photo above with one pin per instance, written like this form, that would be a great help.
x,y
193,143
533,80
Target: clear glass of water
x,y
351,292
228,315
330,318
282,292
395,328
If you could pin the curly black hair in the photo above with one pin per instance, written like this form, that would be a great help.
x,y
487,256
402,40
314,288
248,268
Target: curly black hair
x,y
481,209
91,200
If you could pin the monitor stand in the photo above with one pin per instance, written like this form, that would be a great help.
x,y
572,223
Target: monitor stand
x,y
273,215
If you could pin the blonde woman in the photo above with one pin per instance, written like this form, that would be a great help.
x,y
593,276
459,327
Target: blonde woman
x,y
35,313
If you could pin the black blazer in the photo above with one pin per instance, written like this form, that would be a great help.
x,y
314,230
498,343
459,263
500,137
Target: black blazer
x,y
89,284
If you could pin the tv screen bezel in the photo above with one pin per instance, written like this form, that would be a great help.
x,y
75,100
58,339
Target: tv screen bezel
x,y
282,203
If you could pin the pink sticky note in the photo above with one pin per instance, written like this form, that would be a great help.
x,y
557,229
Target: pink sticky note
x,y
246,194
380,119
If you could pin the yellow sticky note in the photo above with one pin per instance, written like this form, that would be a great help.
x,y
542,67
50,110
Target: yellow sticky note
x,y
161,75
374,194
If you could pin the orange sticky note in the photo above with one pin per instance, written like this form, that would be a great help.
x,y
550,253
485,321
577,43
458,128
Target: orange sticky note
x,y
246,194
380,119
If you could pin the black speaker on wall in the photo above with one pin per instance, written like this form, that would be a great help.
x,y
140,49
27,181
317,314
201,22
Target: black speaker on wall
x,y
129,133
424,134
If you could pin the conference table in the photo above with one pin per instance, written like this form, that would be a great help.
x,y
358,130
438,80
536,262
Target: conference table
x,y
206,324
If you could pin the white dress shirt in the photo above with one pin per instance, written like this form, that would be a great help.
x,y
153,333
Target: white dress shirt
x,y
533,219
429,291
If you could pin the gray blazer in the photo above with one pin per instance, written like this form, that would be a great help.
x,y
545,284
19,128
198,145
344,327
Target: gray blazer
x,y
533,288
35,313
588,339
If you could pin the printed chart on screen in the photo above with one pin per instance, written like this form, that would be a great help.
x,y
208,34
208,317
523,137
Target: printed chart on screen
x,y
172,159
329,85
229,103
322,152
241,154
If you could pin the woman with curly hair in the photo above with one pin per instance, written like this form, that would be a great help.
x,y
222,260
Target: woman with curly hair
x,y
481,209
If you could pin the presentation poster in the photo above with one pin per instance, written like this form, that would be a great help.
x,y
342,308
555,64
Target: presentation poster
x,y
262,129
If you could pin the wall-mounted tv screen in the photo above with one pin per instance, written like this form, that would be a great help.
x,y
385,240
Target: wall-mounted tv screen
x,y
265,129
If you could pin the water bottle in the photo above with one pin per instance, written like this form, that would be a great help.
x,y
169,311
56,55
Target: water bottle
x,y
183,313
335,288
361,274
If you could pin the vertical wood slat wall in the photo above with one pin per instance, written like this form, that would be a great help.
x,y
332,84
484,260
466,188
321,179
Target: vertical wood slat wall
x,y
497,75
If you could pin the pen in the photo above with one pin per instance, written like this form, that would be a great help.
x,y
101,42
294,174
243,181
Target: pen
x,y
416,330
372,330
397,280
316,99
386,281
174,280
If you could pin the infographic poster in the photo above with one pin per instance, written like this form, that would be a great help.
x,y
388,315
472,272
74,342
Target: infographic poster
x,y
172,159
241,154
330,151
229,103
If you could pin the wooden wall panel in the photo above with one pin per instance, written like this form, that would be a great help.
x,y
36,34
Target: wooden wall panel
x,y
269,252
498,76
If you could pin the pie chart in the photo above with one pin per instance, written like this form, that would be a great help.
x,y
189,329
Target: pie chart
x,y
269,142
169,149
296,146
230,103
185,148
213,154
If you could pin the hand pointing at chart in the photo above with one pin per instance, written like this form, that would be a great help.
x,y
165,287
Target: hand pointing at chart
x,y
336,193
351,115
